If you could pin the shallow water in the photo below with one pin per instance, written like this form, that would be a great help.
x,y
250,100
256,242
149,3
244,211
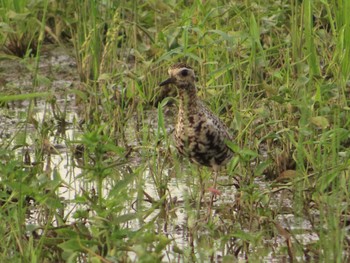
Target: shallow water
x,y
59,159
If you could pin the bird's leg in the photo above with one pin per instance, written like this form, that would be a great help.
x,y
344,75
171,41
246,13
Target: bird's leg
x,y
202,184
202,191
214,192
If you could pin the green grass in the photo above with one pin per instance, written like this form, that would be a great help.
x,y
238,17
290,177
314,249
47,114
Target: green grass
x,y
276,72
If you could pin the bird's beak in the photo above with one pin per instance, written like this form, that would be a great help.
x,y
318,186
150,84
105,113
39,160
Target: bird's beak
x,y
168,81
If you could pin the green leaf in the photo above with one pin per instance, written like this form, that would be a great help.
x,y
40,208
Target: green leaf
x,y
247,153
5,28
18,16
71,245
6,98
320,122
260,169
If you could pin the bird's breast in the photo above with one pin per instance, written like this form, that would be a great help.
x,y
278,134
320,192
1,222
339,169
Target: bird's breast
x,y
200,139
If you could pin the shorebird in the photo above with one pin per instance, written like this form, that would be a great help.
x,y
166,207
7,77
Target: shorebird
x,y
199,134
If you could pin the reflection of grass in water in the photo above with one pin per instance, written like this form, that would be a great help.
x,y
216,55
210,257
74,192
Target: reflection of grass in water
x,y
276,74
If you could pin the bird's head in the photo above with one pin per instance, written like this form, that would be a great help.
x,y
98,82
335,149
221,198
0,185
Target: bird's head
x,y
180,75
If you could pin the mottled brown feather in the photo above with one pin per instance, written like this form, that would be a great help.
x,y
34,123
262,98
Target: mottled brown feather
x,y
199,134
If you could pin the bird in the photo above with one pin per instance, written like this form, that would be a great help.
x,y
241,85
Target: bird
x,y
200,135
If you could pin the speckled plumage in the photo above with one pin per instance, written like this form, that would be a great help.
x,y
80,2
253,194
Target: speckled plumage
x,y
199,134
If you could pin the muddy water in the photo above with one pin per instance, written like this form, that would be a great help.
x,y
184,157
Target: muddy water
x,y
57,72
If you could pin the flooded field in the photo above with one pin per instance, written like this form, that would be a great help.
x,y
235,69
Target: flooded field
x,y
89,171
143,190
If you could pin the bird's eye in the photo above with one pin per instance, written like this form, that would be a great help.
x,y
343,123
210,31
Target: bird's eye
x,y
184,72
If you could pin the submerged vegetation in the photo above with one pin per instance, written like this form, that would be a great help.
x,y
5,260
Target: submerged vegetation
x,y
88,170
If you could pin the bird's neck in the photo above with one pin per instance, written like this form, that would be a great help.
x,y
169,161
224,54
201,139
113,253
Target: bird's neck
x,y
188,98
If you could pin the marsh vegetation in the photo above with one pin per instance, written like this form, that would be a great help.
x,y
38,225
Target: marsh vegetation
x,y
88,168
